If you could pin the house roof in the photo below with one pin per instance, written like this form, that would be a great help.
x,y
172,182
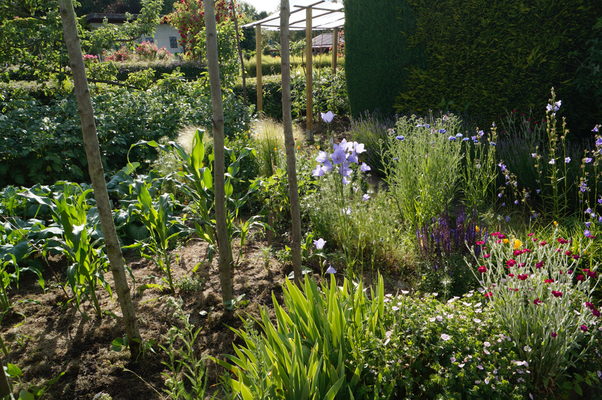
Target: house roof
x,y
324,40
324,16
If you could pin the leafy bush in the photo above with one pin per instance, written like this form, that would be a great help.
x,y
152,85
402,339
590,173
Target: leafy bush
x,y
272,65
329,93
43,143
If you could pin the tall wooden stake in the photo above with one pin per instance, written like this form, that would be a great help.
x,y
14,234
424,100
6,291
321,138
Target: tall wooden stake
x,y
309,77
258,67
86,115
223,240
289,140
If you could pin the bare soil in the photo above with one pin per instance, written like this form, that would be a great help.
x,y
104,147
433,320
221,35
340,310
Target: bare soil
x,y
47,335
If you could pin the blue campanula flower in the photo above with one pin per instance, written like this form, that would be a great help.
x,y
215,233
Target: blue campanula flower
x,y
352,158
331,270
328,117
587,160
366,197
451,138
338,156
319,243
567,160
365,167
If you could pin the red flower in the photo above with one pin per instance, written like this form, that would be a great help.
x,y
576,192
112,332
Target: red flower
x,y
517,253
556,293
591,274
488,294
576,256
542,243
553,334
482,269
537,301
596,312
568,253
539,265
530,234
510,263
549,281
511,275
523,277
480,242
580,277
584,328
487,256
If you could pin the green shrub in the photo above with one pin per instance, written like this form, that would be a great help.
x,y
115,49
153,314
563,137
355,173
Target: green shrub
x,y
329,93
43,143
372,129
272,65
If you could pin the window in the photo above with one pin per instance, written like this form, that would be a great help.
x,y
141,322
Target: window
x,y
173,42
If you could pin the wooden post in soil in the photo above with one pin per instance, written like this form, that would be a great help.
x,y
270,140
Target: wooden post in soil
x,y
223,240
95,168
258,67
309,114
289,140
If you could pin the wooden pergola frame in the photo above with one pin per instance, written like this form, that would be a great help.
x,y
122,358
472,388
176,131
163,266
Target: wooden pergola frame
x,y
319,15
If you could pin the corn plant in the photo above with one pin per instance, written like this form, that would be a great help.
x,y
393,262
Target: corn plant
x,y
162,227
195,179
82,245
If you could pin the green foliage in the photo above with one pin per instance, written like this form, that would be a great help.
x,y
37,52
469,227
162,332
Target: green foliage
x,y
329,93
183,361
272,65
542,296
377,53
490,56
423,173
43,143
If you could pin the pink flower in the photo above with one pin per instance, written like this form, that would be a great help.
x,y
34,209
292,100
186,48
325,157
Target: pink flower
x,y
523,277
480,242
576,256
487,295
543,243
539,265
549,281
556,293
584,328
530,234
591,274
511,275
596,312
510,263
553,334
568,252
537,301
482,269
487,256
580,277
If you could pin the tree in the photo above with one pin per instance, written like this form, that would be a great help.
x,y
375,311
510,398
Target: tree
x,y
86,114
33,46
289,140
223,240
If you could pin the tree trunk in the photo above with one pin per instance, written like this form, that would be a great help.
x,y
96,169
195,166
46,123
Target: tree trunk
x,y
86,115
289,140
223,241
242,63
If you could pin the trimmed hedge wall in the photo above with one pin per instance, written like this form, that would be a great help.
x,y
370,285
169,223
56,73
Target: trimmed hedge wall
x,y
191,70
377,52
489,56
272,66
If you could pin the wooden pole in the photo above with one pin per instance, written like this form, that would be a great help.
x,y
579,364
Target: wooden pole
x,y
223,240
308,78
289,140
97,175
335,49
258,67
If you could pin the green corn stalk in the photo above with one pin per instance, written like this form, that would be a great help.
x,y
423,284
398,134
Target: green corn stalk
x,y
86,255
156,217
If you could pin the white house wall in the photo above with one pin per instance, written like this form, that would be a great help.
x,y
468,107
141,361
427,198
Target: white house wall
x,y
165,36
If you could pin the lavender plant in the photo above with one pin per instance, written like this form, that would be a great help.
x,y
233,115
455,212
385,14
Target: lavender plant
x,y
542,299
423,173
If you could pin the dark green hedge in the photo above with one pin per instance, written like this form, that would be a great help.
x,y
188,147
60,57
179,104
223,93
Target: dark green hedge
x,y
377,55
191,70
272,66
489,56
